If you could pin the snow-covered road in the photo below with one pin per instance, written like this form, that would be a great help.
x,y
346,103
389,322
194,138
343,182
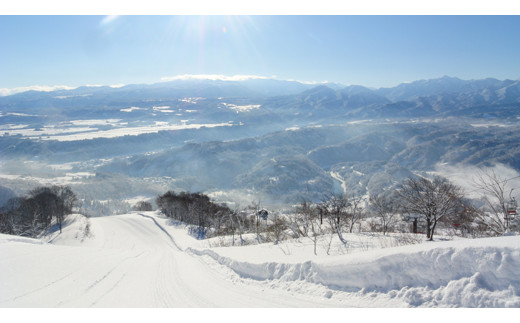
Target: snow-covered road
x,y
130,262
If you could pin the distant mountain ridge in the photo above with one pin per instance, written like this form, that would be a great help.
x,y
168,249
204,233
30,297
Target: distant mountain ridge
x,y
274,87
445,84
445,95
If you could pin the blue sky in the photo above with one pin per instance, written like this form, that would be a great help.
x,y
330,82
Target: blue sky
x,y
377,51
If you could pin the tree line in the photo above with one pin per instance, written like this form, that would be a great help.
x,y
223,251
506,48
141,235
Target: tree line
x,y
31,214
435,202
195,209
432,202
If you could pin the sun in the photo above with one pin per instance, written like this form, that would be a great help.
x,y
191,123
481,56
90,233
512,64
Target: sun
x,y
217,43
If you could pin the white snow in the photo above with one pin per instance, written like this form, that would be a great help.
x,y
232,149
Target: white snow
x,y
132,109
93,122
67,179
292,129
19,114
12,126
164,109
85,133
490,124
161,108
147,260
340,179
191,100
71,96
360,121
241,108
49,131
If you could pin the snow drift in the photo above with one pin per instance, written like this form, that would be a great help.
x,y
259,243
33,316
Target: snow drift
x,y
473,273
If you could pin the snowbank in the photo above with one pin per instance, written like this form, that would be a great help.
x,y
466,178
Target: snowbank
x,y
5,238
475,273
460,273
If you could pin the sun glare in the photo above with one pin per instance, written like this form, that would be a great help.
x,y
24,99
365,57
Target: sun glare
x,y
218,43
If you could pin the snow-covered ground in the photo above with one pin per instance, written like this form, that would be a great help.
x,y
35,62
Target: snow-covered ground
x,y
147,260
86,129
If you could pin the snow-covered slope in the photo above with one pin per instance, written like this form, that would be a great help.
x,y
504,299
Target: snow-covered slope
x,y
129,261
145,260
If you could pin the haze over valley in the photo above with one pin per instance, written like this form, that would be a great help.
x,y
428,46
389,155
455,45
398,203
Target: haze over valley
x,y
244,140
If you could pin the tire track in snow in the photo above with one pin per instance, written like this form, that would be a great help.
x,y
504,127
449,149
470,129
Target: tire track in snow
x,y
166,290
160,291
112,270
170,288
96,282
37,289
109,290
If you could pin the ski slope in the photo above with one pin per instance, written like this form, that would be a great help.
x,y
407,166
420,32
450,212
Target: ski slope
x,y
142,260
130,262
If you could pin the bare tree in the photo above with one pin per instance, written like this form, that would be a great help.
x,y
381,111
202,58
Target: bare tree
x,y
256,207
68,197
232,226
463,220
239,216
335,210
306,223
6,223
65,201
355,212
277,227
495,194
384,207
434,199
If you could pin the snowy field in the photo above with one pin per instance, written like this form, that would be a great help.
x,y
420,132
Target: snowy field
x,y
145,260
89,129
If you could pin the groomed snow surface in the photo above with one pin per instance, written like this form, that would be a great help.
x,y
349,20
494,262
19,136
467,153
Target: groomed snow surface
x,y
146,260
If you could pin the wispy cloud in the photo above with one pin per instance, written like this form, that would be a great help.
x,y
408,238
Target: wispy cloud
x,y
466,175
215,77
108,19
220,77
42,88
308,82
115,86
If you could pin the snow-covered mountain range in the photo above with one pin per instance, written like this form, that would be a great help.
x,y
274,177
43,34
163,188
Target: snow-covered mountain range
x,y
278,140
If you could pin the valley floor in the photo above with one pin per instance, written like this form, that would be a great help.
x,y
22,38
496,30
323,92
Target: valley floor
x,y
145,260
